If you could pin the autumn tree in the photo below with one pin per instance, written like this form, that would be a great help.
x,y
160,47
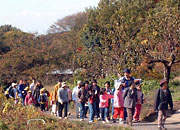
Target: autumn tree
x,y
160,35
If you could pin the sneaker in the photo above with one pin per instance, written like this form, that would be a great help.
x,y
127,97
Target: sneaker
x,y
90,121
81,119
114,120
163,128
159,128
60,118
98,118
66,118
103,122
107,120
69,113
121,121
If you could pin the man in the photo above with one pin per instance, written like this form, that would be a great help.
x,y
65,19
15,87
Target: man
x,y
32,85
162,99
97,94
75,98
63,100
21,88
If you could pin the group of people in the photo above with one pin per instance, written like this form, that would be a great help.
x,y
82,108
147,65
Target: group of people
x,y
33,94
124,100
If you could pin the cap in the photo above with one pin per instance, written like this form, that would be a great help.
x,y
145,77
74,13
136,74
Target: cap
x,y
163,81
127,71
64,84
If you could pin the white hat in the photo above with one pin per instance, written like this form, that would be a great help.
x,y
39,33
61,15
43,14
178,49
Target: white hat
x,y
64,84
13,84
117,85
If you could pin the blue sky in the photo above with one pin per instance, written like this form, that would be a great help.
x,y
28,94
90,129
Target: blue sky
x,y
39,15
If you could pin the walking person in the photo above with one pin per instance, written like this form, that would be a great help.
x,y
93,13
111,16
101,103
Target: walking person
x,y
162,99
21,88
75,98
63,100
91,103
140,101
97,94
109,91
29,99
69,98
42,99
86,104
32,85
130,99
82,97
54,98
104,105
36,92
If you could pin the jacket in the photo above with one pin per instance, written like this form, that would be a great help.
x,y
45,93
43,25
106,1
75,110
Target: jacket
x,y
162,99
29,100
82,95
130,97
118,99
62,95
75,93
104,100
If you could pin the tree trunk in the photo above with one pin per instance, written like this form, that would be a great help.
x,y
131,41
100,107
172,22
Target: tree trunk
x,y
167,72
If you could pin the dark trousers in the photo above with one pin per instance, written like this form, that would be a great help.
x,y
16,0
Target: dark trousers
x,y
42,106
130,113
97,109
61,107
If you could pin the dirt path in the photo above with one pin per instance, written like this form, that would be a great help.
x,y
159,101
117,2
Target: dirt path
x,y
172,123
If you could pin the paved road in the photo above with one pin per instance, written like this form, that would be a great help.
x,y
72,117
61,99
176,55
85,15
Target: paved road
x,y
172,123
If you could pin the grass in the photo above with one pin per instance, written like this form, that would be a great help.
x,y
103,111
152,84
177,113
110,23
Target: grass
x,y
15,117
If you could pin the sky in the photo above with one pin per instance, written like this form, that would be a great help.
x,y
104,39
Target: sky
x,y
38,15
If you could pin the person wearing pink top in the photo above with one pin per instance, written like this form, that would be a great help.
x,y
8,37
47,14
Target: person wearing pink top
x,y
118,104
29,99
104,103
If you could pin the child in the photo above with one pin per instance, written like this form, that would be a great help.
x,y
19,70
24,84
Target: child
x,y
140,100
104,104
42,99
162,99
29,99
130,99
91,103
118,103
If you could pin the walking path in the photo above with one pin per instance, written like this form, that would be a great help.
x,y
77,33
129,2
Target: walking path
x,y
172,123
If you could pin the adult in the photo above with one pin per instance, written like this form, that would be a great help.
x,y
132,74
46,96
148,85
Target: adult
x,y
36,92
97,101
21,88
162,99
82,97
55,97
62,100
75,98
69,98
32,85
86,105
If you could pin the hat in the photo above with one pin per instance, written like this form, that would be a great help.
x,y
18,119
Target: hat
x,y
163,81
127,71
13,84
117,85
79,82
42,90
29,91
26,89
64,84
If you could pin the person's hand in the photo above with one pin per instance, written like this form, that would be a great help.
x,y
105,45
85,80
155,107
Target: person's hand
x,y
61,102
96,92
80,100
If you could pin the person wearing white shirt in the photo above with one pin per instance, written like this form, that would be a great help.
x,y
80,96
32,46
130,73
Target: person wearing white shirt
x,y
32,85
75,99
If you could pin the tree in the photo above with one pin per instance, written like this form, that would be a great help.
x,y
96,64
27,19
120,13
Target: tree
x,y
159,36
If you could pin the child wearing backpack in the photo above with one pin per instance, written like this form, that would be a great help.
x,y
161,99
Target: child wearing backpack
x,y
42,99
118,103
104,104
29,99
130,99
140,101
